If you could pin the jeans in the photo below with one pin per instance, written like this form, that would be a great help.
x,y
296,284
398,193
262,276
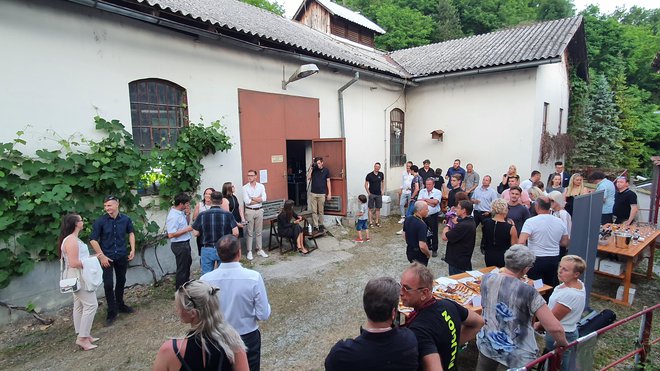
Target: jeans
x,y
209,257
403,200
182,255
114,294
566,357
252,342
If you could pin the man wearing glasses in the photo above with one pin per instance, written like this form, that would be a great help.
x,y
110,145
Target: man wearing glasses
x,y
108,239
254,194
439,325
243,297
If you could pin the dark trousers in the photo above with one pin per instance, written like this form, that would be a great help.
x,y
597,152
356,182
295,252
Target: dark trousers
x,y
455,270
607,219
432,222
417,256
252,342
479,216
114,294
182,255
545,267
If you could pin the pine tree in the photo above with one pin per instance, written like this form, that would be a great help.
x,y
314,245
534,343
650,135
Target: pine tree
x,y
598,137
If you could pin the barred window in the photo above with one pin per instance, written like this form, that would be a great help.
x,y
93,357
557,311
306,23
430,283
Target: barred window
x,y
159,109
397,130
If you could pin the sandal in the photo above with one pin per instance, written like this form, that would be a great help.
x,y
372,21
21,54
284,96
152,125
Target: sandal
x,y
301,252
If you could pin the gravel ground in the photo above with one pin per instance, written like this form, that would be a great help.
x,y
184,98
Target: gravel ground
x,y
316,300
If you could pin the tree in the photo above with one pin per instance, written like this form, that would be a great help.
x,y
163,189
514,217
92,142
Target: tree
x,y
547,10
598,138
448,24
271,6
405,28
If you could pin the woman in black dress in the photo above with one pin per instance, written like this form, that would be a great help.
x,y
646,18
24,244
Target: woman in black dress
x,y
211,343
288,225
498,234
235,208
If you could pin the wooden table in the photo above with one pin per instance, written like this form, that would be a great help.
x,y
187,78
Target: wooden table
x,y
487,270
628,254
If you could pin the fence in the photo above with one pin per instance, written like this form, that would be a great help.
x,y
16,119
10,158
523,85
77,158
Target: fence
x,y
640,353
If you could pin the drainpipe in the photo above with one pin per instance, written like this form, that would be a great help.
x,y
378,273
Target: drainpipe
x,y
341,102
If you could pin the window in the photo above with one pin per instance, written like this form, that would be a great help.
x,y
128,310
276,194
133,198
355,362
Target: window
x,y
545,116
397,130
561,117
159,110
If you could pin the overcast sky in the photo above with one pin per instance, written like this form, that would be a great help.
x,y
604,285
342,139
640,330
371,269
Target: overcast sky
x,y
606,6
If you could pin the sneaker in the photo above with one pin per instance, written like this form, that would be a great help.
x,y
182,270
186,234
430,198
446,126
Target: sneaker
x,y
401,220
368,239
262,253
249,256
110,320
434,254
400,232
125,309
359,240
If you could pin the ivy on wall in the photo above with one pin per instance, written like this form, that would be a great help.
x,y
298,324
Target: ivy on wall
x,y
36,190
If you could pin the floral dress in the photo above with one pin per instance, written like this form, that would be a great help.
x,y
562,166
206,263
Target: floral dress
x,y
508,309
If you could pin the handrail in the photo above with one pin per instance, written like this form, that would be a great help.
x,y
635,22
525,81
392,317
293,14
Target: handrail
x,y
558,352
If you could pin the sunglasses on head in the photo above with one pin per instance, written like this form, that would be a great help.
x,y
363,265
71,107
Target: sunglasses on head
x,y
111,198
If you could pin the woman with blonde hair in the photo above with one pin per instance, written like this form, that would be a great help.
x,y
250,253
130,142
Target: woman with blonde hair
x,y
211,343
75,252
513,171
498,234
575,188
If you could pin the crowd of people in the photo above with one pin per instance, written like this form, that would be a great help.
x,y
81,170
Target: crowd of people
x,y
524,230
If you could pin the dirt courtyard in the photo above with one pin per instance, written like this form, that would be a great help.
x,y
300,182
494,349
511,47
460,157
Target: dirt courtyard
x,y
316,300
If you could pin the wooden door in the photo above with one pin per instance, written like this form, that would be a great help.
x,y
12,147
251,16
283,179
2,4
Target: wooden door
x,y
333,151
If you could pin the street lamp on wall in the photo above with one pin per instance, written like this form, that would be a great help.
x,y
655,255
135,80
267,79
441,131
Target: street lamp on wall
x,y
303,71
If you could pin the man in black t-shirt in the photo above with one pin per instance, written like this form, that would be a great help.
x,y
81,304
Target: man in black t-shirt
x,y
625,202
320,186
374,185
455,182
460,239
426,171
379,346
439,325
416,234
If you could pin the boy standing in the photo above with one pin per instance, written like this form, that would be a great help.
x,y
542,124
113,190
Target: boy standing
x,y
363,216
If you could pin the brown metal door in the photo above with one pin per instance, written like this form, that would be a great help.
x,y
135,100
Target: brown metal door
x,y
333,151
263,139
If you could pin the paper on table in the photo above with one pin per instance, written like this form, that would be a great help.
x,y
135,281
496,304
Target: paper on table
x,y
467,279
446,281
538,283
475,274
476,301
495,270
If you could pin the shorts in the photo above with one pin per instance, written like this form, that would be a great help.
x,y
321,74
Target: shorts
x,y
375,201
361,225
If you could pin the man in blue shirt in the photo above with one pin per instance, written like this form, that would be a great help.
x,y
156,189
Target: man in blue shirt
x,y
178,231
456,169
109,241
606,185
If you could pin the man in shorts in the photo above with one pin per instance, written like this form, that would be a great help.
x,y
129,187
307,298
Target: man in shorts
x,y
374,185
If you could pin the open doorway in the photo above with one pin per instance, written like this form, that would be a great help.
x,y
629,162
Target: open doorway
x,y
298,158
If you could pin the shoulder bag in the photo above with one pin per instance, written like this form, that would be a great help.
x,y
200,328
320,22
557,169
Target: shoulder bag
x,y
67,285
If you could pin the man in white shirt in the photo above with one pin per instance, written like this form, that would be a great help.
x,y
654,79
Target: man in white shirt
x,y
179,233
544,234
254,194
243,297
529,183
481,198
404,192
432,197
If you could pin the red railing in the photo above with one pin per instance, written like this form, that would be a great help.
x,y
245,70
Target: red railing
x,y
641,352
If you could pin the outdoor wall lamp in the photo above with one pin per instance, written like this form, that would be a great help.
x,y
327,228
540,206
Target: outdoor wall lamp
x,y
303,71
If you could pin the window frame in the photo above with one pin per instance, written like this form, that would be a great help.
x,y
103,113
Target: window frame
x,y
397,149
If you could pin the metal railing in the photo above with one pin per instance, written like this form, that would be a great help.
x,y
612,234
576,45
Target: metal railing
x,y
643,345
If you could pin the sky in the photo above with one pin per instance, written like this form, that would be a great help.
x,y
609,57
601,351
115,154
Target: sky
x,y
606,6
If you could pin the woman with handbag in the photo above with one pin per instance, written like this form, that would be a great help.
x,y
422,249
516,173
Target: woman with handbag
x,y
74,252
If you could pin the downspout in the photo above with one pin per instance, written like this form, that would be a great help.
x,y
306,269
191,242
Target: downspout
x,y
340,92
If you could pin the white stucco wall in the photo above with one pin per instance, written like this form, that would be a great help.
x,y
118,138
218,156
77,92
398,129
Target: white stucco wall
x,y
65,64
487,120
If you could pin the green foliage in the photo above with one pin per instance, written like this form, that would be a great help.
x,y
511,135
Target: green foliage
x,y
271,6
448,22
36,191
181,165
405,27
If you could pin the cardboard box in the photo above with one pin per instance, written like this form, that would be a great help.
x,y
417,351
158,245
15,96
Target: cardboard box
x,y
631,294
611,267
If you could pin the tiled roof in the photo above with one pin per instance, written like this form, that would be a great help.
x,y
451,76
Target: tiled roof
x,y
348,15
250,20
539,41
